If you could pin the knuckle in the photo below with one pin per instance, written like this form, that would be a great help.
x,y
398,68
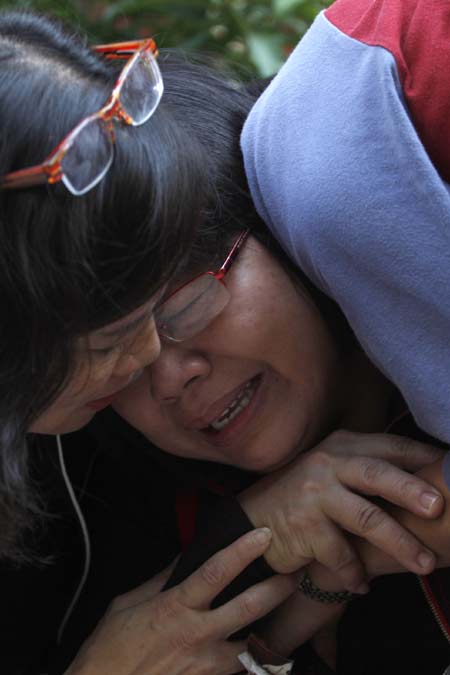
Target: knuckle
x,y
297,516
320,458
167,607
340,438
312,489
300,541
190,637
213,572
403,447
249,607
292,523
372,470
323,458
296,548
405,488
370,517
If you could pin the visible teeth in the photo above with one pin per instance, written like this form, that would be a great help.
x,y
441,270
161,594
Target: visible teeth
x,y
240,402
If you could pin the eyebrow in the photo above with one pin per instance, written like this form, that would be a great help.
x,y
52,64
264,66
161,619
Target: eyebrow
x,y
127,328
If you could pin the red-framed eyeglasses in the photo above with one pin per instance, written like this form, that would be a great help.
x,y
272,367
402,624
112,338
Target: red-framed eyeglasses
x,y
195,304
134,99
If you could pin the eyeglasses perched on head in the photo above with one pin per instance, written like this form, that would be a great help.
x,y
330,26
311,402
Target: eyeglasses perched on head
x,y
84,156
190,308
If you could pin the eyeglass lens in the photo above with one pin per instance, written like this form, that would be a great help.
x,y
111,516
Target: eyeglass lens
x,y
142,89
189,310
140,94
81,166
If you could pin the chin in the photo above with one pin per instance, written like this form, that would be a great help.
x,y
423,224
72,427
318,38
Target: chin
x,y
71,427
267,464
61,427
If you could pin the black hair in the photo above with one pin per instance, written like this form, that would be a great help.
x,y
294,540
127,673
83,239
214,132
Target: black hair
x,y
213,106
71,264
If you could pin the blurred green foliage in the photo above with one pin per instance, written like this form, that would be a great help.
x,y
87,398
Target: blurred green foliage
x,y
253,36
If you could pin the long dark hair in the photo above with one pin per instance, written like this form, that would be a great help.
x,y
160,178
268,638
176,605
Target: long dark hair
x,y
71,264
212,107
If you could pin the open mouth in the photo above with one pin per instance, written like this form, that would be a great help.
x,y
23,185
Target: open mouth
x,y
236,407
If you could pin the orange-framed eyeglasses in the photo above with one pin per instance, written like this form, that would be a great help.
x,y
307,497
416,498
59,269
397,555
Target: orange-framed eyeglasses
x,y
195,304
134,99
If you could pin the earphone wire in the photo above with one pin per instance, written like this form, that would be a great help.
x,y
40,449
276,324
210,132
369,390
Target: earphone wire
x,y
86,540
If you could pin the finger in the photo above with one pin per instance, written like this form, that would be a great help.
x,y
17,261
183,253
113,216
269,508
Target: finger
x,y
369,521
251,605
410,454
404,452
378,477
199,589
331,547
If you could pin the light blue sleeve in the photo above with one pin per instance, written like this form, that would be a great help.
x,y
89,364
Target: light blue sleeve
x,y
337,171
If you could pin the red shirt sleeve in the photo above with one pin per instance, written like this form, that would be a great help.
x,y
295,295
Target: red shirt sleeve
x,y
417,33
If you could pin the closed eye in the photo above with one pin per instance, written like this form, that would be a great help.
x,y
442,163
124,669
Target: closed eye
x,y
173,311
106,351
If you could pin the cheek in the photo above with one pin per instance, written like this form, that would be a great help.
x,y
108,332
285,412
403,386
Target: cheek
x,y
136,405
276,326
246,329
88,375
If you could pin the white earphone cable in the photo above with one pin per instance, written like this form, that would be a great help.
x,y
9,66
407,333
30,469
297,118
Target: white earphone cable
x,y
86,540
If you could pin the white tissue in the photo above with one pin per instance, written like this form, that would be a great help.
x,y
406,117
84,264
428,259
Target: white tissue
x,y
254,668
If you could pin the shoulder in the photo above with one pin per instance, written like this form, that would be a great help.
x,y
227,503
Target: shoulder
x,y
416,33
338,147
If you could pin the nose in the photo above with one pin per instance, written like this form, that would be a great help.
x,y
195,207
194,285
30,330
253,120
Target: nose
x,y
144,350
176,368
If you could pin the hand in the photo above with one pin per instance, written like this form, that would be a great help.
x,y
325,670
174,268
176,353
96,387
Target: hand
x,y
301,618
147,632
307,502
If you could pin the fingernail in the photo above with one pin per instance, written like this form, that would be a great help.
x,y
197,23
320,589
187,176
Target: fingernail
x,y
262,535
429,499
425,560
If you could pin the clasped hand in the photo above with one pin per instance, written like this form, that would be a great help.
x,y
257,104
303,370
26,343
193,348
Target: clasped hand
x,y
306,504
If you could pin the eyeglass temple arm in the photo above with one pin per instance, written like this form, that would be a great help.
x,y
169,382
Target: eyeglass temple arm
x,y
35,175
123,50
232,255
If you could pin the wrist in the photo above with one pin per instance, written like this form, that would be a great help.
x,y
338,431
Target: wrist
x,y
250,504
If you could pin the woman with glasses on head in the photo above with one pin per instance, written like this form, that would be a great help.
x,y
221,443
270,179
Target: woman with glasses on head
x,y
256,368
99,193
